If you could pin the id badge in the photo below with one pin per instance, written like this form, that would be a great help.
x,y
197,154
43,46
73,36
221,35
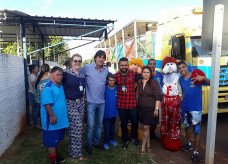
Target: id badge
x,y
124,89
81,88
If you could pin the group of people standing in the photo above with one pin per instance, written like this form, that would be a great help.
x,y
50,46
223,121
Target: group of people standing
x,y
103,96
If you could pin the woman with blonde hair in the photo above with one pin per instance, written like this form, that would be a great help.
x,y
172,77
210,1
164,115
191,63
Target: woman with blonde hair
x,y
74,85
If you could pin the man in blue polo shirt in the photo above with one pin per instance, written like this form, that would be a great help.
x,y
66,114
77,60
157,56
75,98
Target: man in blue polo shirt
x,y
191,108
159,77
53,114
156,74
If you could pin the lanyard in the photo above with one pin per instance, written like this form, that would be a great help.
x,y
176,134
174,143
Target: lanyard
x,y
125,78
77,78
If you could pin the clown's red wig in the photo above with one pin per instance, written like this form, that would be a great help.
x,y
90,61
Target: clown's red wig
x,y
168,60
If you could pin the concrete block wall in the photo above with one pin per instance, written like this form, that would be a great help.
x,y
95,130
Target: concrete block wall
x,y
12,98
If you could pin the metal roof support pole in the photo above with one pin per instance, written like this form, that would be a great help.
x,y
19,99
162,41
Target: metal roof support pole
x,y
135,35
153,44
25,71
105,45
116,53
18,52
30,56
43,44
58,60
109,43
116,48
36,46
123,42
106,34
110,52
20,46
54,53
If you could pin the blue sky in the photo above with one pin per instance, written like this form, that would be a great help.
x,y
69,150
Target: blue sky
x,y
124,11
121,10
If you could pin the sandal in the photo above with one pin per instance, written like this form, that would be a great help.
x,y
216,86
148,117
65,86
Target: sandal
x,y
142,152
148,148
82,158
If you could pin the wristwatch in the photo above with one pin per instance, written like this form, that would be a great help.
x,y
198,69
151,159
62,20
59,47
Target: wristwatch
x,y
157,108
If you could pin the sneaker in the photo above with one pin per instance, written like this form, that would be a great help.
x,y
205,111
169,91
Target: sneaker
x,y
114,143
187,147
106,147
195,158
125,145
59,158
99,146
136,142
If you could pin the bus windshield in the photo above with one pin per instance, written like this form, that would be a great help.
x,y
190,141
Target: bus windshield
x,y
196,49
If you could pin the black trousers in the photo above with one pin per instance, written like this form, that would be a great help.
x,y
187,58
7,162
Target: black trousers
x,y
125,115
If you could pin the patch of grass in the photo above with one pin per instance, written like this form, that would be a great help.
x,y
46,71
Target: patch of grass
x,y
27,148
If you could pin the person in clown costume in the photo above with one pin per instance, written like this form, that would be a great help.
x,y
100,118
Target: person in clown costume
x,y
136,65
171,105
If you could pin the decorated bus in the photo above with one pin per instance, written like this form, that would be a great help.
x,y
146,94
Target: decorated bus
x,y
179,35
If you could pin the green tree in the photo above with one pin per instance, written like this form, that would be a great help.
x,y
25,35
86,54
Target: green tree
x,y
57,53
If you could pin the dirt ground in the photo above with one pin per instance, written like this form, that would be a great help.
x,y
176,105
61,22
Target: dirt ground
x,y
162,156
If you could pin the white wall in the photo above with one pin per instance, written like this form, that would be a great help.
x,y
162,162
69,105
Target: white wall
x,y
12,99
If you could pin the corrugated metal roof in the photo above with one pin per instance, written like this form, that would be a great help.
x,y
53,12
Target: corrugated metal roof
x,y
38,27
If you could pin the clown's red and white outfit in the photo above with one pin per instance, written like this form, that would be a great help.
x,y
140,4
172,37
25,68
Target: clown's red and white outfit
x,y
171,105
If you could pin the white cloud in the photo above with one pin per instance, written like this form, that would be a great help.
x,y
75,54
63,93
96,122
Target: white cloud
x,y
45,7
50,2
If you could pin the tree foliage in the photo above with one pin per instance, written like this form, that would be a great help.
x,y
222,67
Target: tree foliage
x,y
91,60
57,53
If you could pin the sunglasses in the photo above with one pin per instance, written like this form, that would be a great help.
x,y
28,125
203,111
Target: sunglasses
x,y
77,61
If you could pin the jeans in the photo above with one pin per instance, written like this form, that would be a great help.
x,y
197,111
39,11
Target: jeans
x,y
94,115
124,115
109,129
34,108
